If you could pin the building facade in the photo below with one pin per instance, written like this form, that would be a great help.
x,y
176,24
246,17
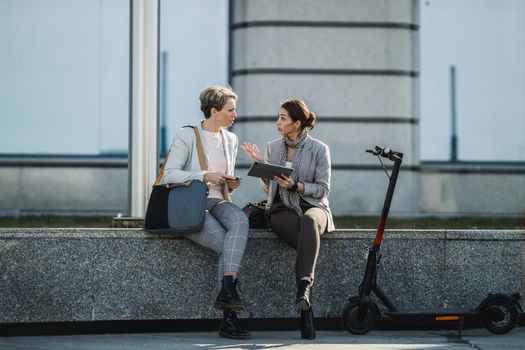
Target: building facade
x,y
375,72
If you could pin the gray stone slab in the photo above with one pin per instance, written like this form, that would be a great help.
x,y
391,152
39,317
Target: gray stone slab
x,y
9,188
419,263
46,279
56,189
396,11
484,235
353,192
473,270
473,193
118,274
359,192
329,95
329,48
156,280
347,145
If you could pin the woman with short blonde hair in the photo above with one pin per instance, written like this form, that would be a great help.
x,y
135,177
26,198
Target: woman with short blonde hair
x,y
225,229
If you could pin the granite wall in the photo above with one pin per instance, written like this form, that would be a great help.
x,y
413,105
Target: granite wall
x,y
125,274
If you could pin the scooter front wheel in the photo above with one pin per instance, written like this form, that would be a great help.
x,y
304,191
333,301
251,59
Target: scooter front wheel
x,y
351,320
500,316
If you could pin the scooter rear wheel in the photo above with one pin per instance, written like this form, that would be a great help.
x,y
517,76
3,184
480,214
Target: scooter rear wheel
x,y
500,316
350,319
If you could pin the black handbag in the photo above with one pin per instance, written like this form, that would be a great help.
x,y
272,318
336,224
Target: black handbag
x,y
256,213
179,207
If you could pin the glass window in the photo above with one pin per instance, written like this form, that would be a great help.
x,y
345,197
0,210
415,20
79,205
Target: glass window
x,y
65,76
190,62
483,39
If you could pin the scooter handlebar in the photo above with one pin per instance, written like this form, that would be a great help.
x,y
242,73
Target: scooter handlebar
x,y
385,152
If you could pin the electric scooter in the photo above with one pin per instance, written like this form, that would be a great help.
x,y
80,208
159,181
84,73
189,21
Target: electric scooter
x,y
497,312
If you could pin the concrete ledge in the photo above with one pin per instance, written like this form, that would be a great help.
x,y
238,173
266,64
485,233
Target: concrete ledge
x,y
125,274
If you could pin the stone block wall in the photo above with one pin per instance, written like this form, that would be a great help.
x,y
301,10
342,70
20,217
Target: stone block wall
x,y
355,63
52,275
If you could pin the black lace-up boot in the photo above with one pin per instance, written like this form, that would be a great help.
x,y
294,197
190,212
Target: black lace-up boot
x,y
303,295
231,327
307,324
228,299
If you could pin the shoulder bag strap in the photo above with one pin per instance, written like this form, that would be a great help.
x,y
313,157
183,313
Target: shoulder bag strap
x,y
200,151
161,172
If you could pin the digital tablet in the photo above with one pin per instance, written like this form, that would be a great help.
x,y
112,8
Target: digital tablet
x,y
268,171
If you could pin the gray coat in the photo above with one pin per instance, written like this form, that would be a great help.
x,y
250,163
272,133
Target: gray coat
x,y
314,173
183,161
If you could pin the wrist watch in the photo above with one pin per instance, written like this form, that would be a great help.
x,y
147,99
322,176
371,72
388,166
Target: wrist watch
x,y
294,187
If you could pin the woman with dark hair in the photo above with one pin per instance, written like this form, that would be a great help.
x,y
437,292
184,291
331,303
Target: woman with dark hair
x,y
225,229
298,204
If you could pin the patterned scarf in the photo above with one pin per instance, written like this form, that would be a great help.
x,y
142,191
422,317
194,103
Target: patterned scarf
x,y
292,199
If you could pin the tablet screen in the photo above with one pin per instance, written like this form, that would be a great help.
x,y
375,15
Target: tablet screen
x,y
268,171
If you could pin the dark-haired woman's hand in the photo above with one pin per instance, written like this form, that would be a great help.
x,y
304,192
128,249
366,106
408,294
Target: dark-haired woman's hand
x,y
252,151
284,181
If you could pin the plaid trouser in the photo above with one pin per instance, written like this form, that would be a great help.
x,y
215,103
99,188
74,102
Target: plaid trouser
x,y
225,231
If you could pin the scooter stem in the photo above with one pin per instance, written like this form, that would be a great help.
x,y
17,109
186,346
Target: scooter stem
x,y
388,199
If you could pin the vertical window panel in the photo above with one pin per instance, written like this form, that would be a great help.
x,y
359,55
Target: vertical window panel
x,y
65,76
194,41
483,39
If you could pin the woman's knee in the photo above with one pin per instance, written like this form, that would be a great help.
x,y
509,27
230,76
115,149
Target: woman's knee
x,y
211,236
309,223
310,231
315,219
228,214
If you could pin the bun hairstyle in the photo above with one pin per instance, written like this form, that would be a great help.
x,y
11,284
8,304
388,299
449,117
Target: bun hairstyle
x,y
215,97
298,110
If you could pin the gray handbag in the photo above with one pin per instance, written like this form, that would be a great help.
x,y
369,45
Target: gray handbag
x,y
180,207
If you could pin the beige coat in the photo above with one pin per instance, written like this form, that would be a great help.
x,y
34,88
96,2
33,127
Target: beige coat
x,y
183,161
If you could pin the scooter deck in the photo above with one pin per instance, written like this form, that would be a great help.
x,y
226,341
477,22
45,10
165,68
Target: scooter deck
x,y
437,316
431,313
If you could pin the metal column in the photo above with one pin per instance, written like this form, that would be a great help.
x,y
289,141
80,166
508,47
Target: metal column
x,y
143,135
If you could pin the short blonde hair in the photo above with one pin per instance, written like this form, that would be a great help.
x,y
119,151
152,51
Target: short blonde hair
x,y
215,97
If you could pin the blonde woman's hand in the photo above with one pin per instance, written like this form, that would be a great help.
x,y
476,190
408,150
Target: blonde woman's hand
x,y
215,178
233,182
252,151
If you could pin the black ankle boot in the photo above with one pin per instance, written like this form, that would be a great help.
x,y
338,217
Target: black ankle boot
x,y
231,327
303,295
307,324
228,299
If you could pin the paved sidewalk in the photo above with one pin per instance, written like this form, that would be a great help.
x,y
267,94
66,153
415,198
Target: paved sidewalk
x,y
479,339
